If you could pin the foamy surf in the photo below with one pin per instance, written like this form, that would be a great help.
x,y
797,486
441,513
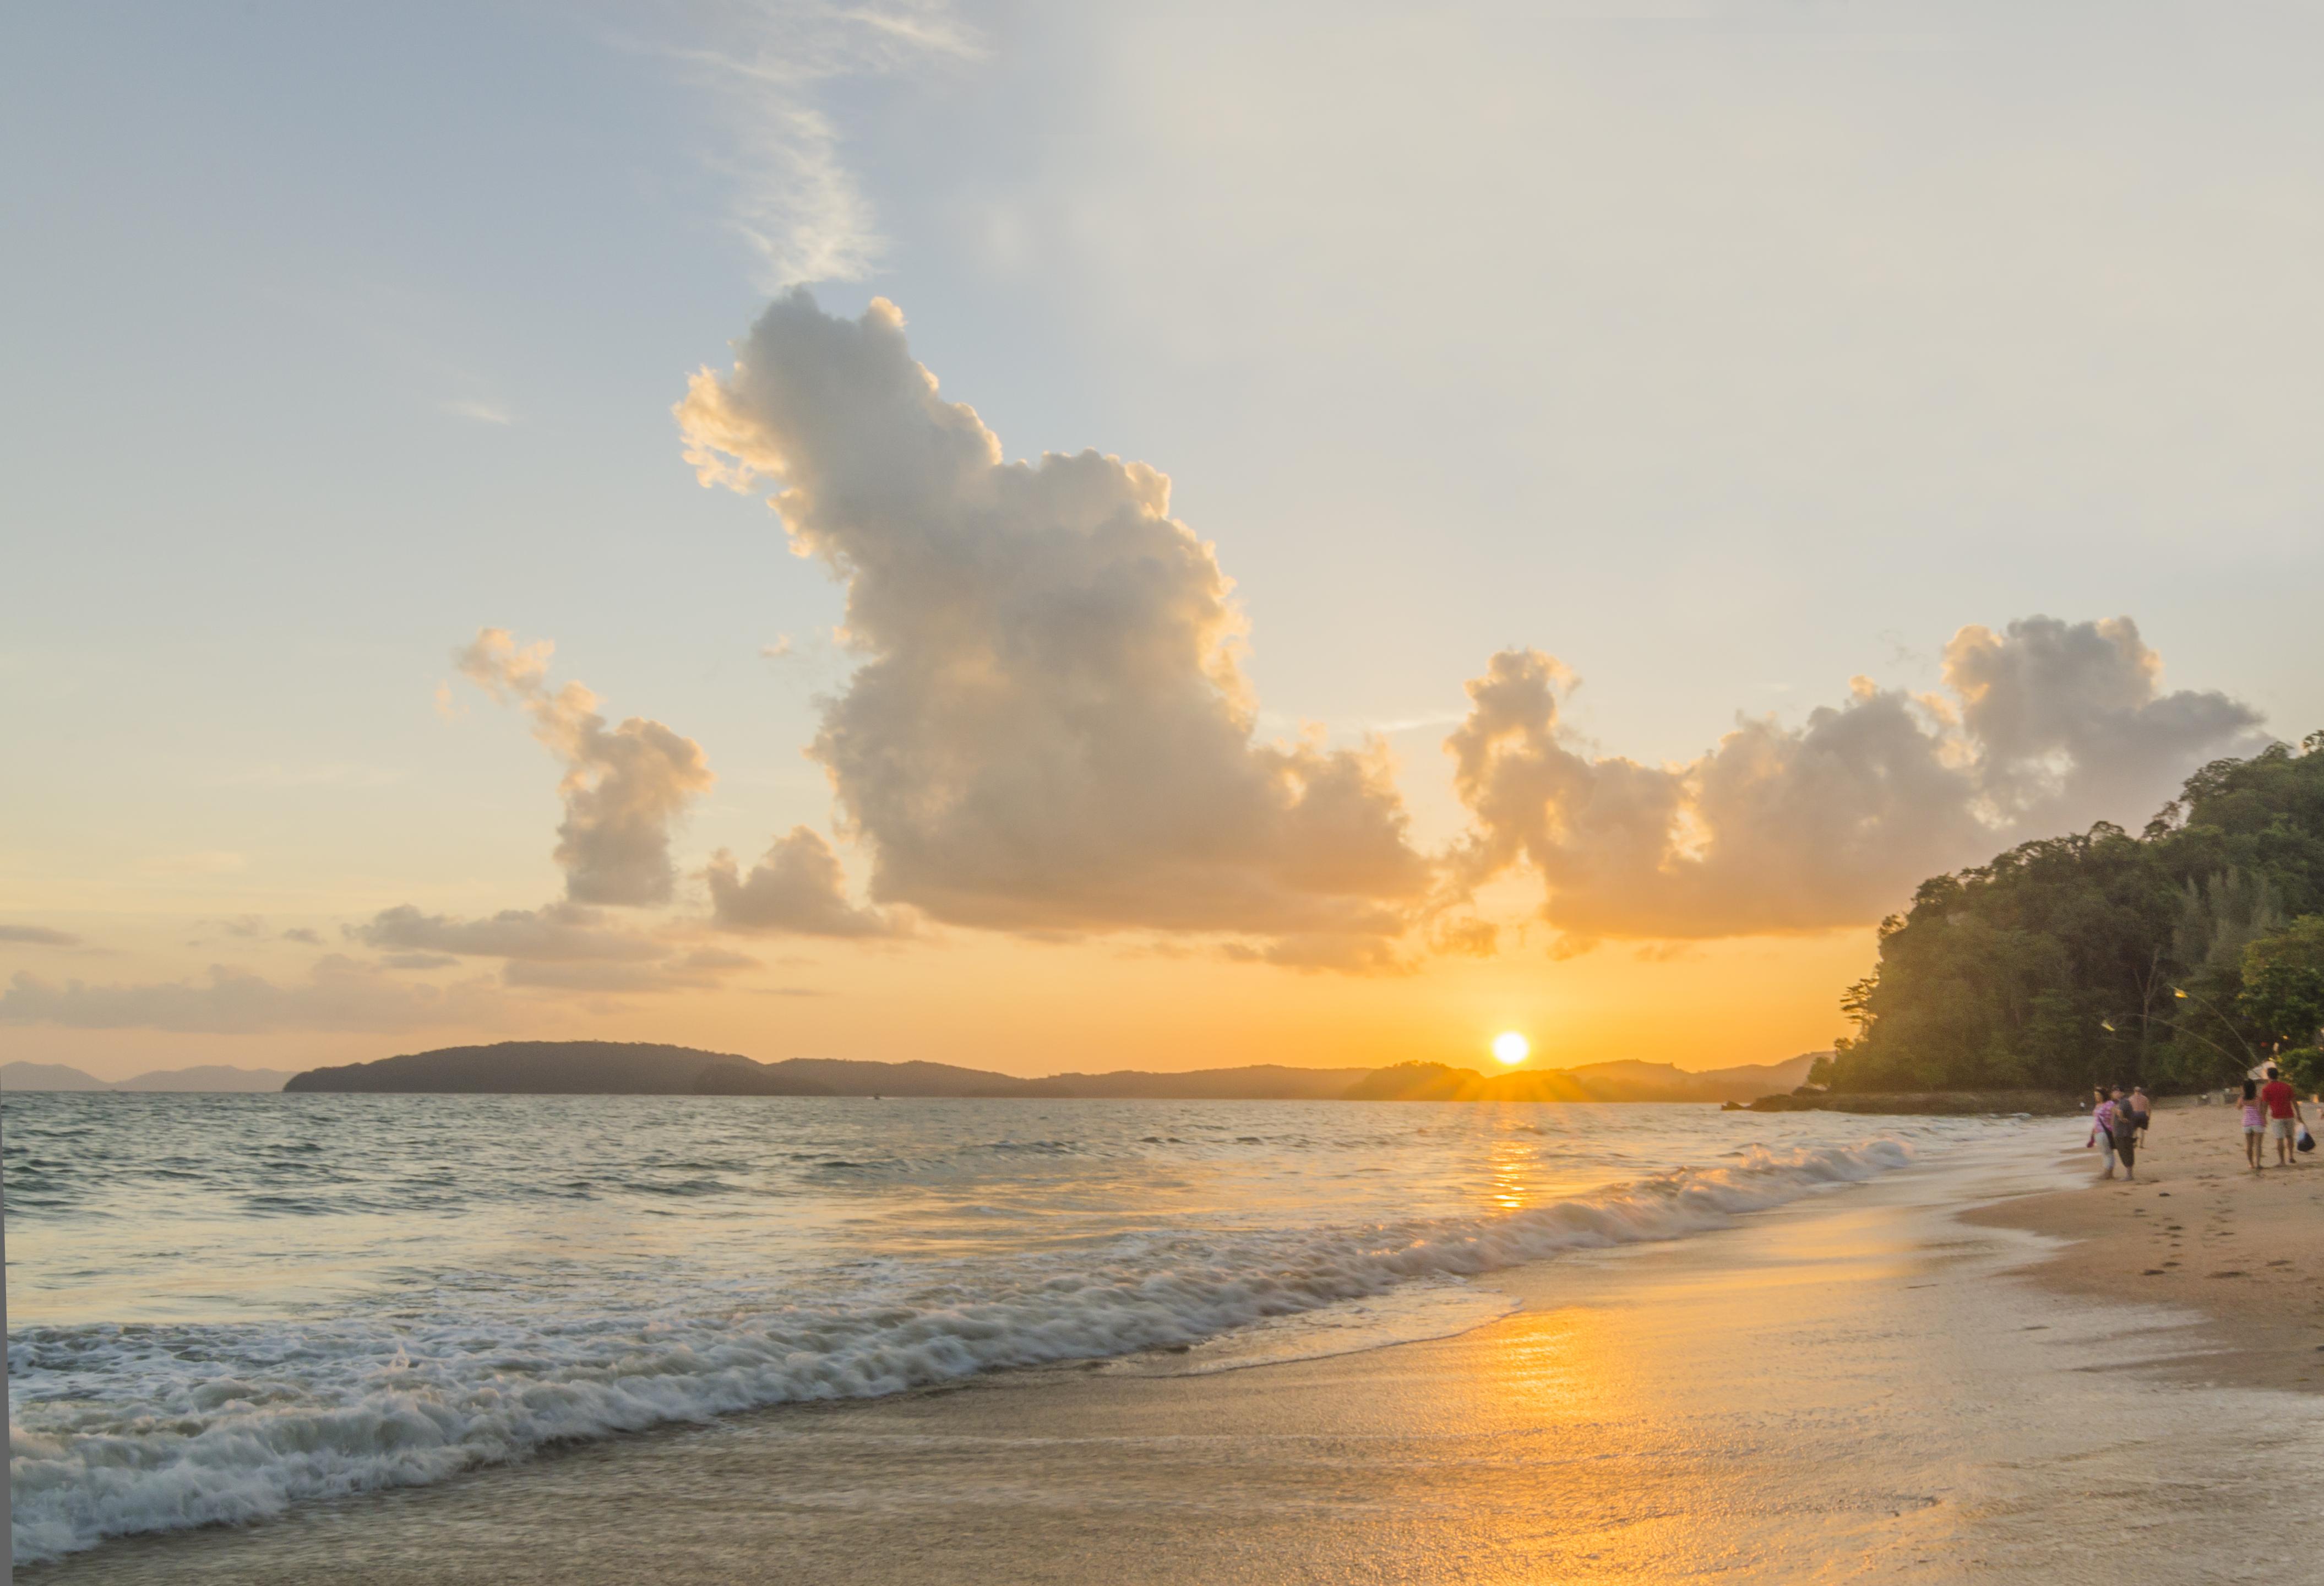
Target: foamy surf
x,y
204,1424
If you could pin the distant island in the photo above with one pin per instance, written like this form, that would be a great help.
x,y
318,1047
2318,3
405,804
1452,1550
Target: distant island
x,y
207,1076
638,1068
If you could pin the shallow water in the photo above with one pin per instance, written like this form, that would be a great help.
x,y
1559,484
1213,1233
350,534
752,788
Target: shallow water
x,y
1848,1387
225,1306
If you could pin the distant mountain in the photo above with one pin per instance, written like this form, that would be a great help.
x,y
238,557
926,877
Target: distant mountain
x,y
1261,1082
1624,1081
209,1077
527,1068
47,1077
629,1068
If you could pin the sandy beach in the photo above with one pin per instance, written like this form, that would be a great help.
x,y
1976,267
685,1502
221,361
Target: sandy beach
x,y
2199,1232
1861,1386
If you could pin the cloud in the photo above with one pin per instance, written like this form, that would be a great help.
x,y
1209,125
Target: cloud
x,y
1050,730
339,994
1832,823
1466,935
1311,952
613,979
561,946
622,787
764,72
306,934
556,932
2070,718
481,413
37,936
714,958
797,887
695,970
248,927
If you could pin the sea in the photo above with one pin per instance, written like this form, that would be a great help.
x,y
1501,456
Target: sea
x,y
225,1307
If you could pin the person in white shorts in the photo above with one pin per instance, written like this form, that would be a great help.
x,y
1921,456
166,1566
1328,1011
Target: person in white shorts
x,y
2283,1115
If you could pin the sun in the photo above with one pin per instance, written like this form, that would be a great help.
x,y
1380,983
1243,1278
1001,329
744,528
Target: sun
x,y
1511,1047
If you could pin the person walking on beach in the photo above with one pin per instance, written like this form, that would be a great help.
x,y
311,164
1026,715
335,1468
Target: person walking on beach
x,y
2102,1128
2142,1109
2126,1125
2254,1125
2283,1114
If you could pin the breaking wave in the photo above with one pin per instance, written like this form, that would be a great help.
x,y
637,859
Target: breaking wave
x,y
186,1425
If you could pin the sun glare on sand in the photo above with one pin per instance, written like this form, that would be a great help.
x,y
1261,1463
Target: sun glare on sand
x,y
1511,1047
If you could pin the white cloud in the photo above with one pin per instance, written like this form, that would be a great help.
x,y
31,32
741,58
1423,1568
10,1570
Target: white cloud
x,y
2053,725
623,787
799,888
767,73
1050,730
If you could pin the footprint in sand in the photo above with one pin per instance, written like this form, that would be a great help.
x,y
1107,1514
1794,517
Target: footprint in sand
x,y
2226,1273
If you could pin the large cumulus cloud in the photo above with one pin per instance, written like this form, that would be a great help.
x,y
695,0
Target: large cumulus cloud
x,y
623,786
1049,730
2044,726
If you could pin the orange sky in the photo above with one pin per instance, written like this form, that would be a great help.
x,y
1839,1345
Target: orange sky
x,y
1672,489
1033,1008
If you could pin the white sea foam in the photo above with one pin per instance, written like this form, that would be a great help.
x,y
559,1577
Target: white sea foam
x,y
201,1424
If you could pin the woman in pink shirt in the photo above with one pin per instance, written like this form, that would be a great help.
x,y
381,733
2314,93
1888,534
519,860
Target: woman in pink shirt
x,y
2102,1129
2255,1124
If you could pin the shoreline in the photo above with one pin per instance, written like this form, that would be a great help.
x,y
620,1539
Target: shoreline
x,y
1849,1386
1924,1104
2240,1253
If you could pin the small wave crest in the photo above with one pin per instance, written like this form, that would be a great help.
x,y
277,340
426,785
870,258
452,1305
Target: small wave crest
x,y
219,1423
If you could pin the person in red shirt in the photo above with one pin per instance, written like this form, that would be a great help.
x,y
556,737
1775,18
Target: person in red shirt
x,y
2283,1115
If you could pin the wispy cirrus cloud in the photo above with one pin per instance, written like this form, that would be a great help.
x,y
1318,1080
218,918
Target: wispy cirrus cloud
x,y
479,411
768,77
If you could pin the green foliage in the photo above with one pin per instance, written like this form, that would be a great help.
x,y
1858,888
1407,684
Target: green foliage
x,y
2282,974
2104,958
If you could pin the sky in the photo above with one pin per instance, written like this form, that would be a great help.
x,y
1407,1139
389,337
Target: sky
x,y
1067,538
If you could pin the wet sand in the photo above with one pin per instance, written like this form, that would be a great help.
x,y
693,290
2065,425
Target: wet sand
x,y
1861,1386
2202,1231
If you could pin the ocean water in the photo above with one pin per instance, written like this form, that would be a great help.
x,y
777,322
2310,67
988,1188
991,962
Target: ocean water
x,y
223,1306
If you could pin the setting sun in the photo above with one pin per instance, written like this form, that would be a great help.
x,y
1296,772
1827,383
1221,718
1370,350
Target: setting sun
x,y
1511,1047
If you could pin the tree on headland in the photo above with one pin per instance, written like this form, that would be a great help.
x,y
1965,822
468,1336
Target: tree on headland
x,y
2283,994
2176,957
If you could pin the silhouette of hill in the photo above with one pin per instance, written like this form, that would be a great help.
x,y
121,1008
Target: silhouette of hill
x,y
637,1069
526,1068
207,1076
